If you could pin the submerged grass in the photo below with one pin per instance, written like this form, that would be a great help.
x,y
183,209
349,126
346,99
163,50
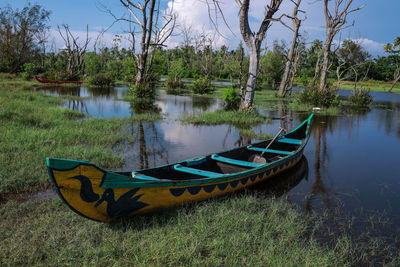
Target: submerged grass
x,y
238,230
32,128
226,117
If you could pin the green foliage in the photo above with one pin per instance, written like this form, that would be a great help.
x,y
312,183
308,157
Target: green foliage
x,y
30,69
327,98
361,99
304,80
128,70
230,98
272,66
61,75
101,79
146,89
173,83
114,67
20,32
93,64
203,86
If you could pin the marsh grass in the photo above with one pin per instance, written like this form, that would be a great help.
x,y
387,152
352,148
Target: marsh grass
x,y
248,229
226,117
250,133
32,128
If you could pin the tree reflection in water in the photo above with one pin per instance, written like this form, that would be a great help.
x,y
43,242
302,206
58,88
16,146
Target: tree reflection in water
x,y
148,149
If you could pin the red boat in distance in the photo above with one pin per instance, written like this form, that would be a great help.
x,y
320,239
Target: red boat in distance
x,y
44,80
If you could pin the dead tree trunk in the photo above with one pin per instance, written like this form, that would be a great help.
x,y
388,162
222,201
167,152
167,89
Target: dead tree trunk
x,y
296,22
335,22
253,42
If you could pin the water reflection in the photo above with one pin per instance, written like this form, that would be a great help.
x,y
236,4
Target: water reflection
x,y
279,185
353,158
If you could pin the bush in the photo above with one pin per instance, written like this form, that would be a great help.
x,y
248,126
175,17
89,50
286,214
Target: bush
x,y
101,79
327,98
360,99
203,86
146,89
30,69
230,98
174,82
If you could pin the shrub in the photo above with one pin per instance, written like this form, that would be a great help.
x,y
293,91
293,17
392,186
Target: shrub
x,y
101,79
230,98
360,98
326,98
203,86
174,82
146,89
30,69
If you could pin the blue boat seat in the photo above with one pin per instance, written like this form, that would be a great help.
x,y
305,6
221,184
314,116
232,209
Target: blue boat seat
x,y
180,168
139,176
290,141
235,161
260,149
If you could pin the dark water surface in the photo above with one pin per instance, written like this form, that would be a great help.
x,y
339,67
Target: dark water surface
x,y
353,161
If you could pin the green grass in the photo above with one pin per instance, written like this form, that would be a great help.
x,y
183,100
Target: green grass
x,y
32,128
226,117
376,86
250,133
242,230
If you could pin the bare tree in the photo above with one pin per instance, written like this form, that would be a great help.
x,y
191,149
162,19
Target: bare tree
x,y
335,22
296,22
253,42
296,62
204,51
146,15
74,49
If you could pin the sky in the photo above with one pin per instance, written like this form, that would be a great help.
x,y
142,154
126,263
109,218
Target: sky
x,y
374,25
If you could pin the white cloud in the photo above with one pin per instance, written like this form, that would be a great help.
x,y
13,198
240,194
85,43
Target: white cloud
x,y
375,48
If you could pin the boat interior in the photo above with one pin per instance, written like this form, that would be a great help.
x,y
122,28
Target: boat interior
x,y
228,162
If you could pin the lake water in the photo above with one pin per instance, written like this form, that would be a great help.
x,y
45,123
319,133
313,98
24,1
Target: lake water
x,y
352,161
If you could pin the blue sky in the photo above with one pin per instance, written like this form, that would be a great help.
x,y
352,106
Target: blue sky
x,y
375,24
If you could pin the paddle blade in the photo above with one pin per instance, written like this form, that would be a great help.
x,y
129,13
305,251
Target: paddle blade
x,y
257,159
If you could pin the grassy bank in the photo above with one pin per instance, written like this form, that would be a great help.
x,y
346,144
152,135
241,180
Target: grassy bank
x,y
226,117
32,128
237,230
376,86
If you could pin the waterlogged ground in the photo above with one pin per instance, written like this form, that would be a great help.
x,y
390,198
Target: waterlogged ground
x,y
352,161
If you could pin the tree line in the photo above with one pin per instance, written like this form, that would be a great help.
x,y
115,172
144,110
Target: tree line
x,y
24,49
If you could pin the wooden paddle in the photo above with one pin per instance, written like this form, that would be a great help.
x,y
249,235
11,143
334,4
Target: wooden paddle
x,y
259,158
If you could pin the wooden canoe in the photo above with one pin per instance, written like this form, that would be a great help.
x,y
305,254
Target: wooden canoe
x,y
102,195
44,80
